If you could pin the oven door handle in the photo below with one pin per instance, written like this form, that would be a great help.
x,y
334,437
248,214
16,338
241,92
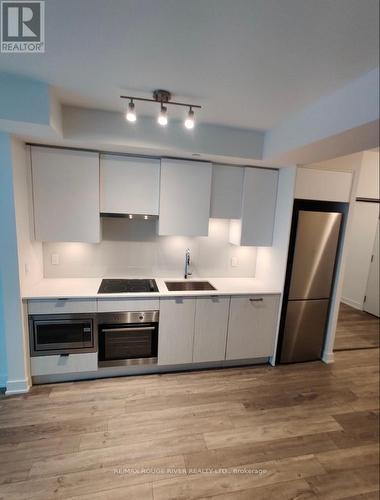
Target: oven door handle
x,y
132,329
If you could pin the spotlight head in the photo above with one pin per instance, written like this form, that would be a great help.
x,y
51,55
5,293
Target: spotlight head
x,y
131,113
163,116
190,121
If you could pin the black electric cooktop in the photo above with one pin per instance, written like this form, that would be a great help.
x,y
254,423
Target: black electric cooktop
x,y
127,286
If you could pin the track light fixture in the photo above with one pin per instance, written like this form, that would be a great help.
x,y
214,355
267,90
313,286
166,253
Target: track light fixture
x,y
162,97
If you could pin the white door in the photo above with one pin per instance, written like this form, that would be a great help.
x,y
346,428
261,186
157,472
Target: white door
x,y
211,320
371,304
176,331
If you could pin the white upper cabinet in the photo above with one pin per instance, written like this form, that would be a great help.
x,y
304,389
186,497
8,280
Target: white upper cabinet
x,y
258,207
66,195
129,185
325,185
226,192
184,198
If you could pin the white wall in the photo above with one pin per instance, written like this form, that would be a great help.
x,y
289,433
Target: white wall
x,y
343,122
362,232
29,250
11,311
368,186
132,248
348,163
108,130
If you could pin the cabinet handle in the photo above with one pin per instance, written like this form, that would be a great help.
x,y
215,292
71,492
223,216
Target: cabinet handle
x,y
256,300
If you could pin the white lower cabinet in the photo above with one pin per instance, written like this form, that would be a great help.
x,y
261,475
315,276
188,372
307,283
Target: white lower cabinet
x,y
56,364
192,330
210,332
176,331
205,329
252,326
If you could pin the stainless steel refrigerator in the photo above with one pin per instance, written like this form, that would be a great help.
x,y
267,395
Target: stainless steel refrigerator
x,y
311,264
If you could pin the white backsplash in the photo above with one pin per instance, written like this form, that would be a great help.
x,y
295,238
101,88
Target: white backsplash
x,y
132,248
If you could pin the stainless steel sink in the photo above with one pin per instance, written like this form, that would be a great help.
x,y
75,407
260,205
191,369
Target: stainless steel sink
x,y
188,286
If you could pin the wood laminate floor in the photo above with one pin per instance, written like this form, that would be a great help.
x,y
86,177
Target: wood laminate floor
x,y
294,431
356,329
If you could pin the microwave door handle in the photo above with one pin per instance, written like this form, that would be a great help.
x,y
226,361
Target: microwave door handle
x,y
132,329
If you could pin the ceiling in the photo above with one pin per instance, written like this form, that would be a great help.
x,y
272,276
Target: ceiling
x,y
250,63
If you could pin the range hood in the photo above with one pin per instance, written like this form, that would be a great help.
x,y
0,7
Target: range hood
x,y
128,216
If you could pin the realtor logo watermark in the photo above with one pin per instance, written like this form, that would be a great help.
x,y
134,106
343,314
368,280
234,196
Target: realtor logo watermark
x,y
22,27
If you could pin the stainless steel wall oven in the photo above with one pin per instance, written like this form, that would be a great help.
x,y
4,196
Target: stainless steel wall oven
x,y
128,338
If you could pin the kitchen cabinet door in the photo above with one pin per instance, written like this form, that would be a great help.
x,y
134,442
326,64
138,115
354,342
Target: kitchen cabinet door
x,y
256,224
65,195
312,184
252,326
185,189
226,191
129,185
176,330
211,320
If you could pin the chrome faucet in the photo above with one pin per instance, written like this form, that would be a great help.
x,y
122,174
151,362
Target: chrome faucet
x,y
187,263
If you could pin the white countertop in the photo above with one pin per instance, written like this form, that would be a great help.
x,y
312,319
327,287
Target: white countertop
x,y
88,288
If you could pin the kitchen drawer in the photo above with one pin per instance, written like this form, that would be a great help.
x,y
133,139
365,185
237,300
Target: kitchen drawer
x,y
58,306
113,305
51,365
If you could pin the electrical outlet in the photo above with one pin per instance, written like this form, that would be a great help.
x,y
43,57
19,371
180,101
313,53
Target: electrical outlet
x,y
234,261
26,268
55,259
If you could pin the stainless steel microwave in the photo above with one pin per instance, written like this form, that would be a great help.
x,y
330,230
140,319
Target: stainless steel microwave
x,y
62,334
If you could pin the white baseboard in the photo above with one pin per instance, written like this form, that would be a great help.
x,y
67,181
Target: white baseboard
x,y
17,387
352,303
328,357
